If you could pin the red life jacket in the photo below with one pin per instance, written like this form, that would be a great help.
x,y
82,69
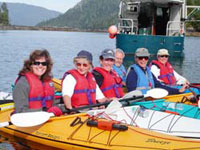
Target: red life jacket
x,y
41,94
112,83
166,72
85,89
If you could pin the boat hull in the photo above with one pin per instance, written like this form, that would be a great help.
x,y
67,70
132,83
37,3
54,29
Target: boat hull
x,y
129,43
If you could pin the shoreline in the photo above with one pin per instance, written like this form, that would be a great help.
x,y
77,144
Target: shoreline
x,y
67,29
189,32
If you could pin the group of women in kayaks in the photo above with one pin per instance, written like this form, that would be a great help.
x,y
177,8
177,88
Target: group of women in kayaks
x,y
87,85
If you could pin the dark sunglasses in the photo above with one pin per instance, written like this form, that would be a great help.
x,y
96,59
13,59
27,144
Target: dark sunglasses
x,y
166,56
79,64
141,58
42,63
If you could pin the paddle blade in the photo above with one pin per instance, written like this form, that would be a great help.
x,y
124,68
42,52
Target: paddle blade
x,y
132,94
30,119
113,106
156,93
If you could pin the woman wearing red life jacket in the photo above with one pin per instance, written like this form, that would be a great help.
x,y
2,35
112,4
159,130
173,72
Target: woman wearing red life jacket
x,y
79,87
163,70
34,90
108,80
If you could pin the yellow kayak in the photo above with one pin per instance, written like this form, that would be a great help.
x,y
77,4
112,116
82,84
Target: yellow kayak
x,y
57,84
6,105
64,133
181,98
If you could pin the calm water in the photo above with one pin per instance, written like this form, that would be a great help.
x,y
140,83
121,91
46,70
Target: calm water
x,y
15,46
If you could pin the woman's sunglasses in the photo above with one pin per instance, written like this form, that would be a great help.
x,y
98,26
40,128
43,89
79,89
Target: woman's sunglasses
x,y
79,65
166,56
42,63
141,58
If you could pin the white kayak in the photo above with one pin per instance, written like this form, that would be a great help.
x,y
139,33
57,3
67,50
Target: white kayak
x,y
163,122
5,96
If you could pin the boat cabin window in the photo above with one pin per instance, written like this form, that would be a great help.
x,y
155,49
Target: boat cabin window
x,y
160,20
145,19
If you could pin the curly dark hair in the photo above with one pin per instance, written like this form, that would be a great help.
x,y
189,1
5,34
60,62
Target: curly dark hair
x,y
37,54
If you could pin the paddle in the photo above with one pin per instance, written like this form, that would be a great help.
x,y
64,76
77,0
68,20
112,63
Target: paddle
x,y
155,93
195,85
6,101
30,119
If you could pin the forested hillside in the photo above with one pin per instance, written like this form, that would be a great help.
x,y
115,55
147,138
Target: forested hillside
x,y
28,15
88,14
99,14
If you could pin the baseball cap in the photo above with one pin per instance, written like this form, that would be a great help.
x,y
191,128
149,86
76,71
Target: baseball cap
x,y
108,53
142,52
162,52
85,54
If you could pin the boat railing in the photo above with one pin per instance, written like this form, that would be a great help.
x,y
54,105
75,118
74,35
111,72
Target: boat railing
x,y
127,26
175,28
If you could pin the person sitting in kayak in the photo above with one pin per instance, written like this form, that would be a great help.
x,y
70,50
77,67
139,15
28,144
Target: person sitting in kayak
x,y
163,70
33,89
141,78
79,86
118,66
108,80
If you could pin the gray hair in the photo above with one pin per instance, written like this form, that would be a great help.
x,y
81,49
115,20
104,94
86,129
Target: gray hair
x,y
118,50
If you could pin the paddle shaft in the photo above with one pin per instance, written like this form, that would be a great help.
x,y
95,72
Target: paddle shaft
x,y
194,86
134,98
6,101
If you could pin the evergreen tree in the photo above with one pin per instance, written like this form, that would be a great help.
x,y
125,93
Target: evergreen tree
x,y
0,17
4,14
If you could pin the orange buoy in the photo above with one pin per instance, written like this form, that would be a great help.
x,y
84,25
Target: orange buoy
x,y
112,30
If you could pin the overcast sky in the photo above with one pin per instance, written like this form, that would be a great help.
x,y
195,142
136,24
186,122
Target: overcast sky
x,y
58,5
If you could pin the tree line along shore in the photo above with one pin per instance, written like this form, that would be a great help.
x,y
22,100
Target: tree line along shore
x,y
189,32
69,29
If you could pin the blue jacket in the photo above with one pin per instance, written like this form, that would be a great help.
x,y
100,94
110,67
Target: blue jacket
x,y
121,71
145,80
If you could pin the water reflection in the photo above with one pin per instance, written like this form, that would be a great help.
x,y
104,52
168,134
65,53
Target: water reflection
x,y
8,142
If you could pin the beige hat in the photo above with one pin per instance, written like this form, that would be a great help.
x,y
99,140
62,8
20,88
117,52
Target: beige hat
x,y
142,52
162,52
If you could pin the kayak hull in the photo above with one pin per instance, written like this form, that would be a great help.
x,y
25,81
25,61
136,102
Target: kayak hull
x,y
58,132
